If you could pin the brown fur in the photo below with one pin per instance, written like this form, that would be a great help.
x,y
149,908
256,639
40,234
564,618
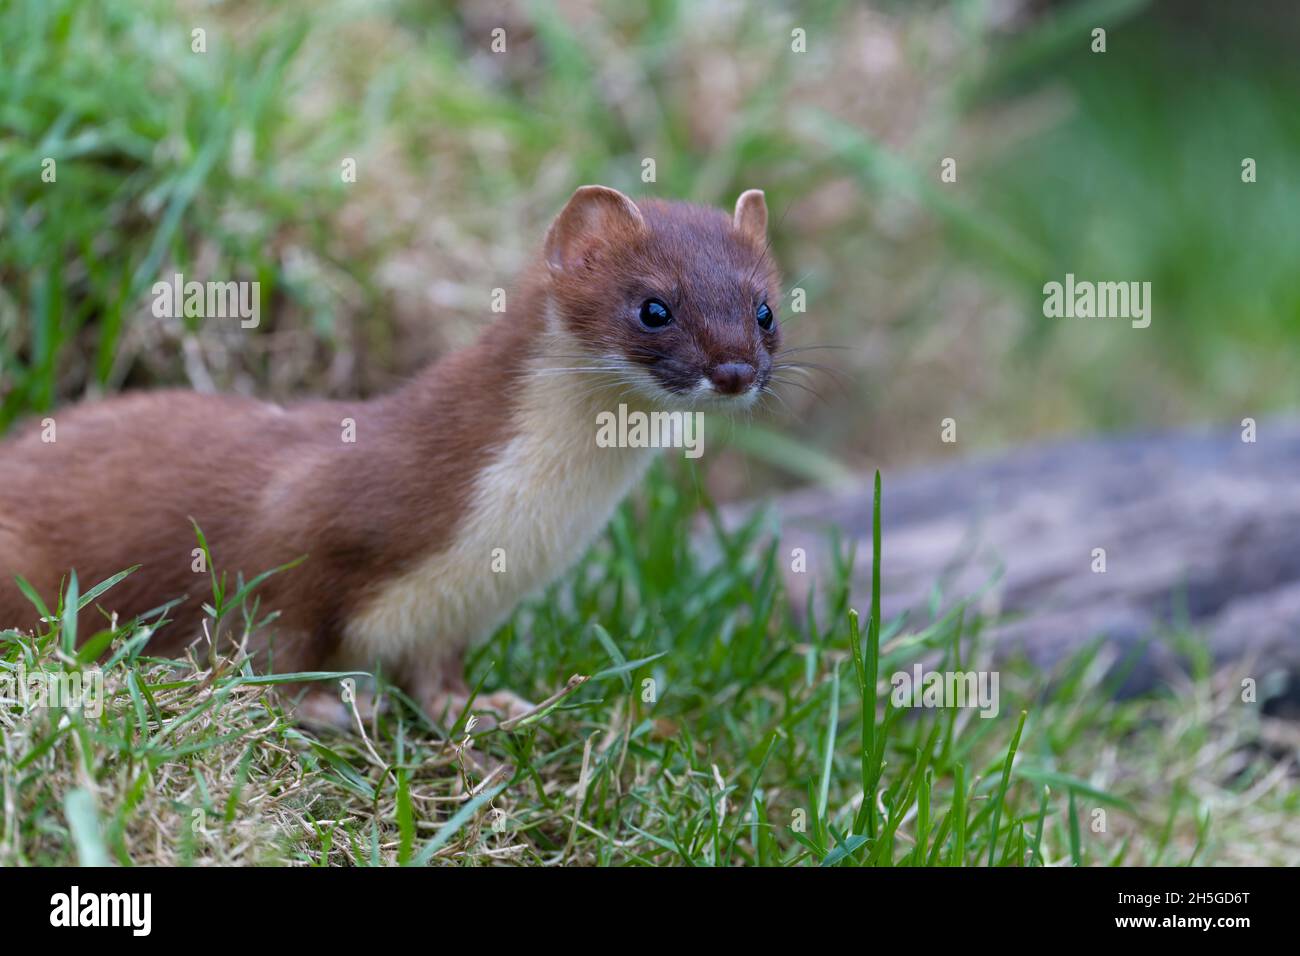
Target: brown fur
x,y
268,485
710,274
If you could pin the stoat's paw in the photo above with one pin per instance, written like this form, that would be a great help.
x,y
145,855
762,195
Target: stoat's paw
x,y
489,710
506,704
326,705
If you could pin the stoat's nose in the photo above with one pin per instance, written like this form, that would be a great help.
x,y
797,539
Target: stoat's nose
x,y
733,378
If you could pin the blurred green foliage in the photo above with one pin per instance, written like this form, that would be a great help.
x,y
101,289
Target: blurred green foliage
x,y
1143,181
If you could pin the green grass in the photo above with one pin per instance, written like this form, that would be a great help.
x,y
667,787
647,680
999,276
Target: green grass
x,y
719,726
166,161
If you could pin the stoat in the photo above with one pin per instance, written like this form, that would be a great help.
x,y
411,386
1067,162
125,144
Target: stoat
x,y
399,504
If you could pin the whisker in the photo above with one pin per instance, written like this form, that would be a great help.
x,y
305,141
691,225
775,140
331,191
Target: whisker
x,y
797,283
800,385
580,368
813,348
772,393
839,376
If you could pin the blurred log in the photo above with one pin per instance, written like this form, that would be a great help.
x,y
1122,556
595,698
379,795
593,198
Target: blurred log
x,y
1200,530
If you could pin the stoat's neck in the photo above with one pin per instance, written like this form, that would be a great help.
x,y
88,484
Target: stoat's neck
x,y
526,375
508,469
505,417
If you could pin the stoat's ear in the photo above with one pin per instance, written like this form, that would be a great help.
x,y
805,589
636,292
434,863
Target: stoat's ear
x,y
591,214
750,218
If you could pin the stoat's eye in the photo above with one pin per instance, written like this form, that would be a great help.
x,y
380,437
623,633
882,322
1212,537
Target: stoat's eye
x,y
654,314
764,317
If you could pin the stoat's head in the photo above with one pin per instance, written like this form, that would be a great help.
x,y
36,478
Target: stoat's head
x,y
676,302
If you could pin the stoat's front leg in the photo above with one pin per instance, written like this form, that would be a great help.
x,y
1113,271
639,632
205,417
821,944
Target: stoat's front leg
x,y
437,683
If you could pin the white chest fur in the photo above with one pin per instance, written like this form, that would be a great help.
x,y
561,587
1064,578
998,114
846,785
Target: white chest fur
x,y
535,508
